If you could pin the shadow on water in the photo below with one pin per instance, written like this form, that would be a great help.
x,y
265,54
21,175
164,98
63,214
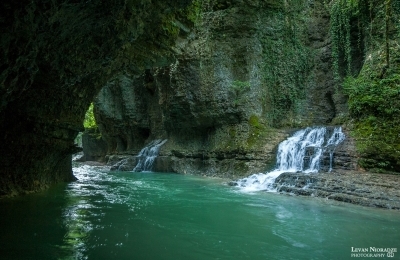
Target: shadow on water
x,y
32,226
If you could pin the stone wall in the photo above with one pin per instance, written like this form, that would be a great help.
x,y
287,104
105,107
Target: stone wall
x,y
94,147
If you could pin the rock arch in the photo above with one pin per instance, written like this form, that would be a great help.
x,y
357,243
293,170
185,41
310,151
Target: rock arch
x,y
55,57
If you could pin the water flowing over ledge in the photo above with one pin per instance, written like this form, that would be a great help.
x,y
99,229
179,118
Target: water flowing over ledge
x,y
301,152
148,154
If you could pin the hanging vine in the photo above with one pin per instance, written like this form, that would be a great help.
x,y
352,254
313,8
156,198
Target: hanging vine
x,y
342,13
286,63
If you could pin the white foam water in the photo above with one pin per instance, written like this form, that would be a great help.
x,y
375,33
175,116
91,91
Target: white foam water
x,y
301,152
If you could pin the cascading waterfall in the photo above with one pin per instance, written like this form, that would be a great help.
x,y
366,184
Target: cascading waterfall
x,y
336,138
301,152
147,156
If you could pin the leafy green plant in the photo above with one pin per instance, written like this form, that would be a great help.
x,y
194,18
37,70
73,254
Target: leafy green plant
x,y
194,11
373,96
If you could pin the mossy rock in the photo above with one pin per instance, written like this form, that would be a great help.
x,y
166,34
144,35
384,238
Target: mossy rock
x,y
258,132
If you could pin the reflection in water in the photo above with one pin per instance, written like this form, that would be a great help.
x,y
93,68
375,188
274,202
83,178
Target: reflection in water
x,y
76,213
89,198
78,228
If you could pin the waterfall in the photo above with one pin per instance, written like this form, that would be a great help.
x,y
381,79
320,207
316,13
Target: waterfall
x,y
336,138
147,155
301,152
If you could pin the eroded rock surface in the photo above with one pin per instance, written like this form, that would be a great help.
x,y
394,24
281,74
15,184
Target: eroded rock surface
x,y
362,188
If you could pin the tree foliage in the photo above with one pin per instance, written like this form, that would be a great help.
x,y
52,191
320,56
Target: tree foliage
x,y
90,121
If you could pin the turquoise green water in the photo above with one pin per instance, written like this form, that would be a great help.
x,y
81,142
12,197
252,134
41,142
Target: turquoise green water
x,y
170,216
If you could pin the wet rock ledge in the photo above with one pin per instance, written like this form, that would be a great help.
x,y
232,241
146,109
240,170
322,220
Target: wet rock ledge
x,y
361,188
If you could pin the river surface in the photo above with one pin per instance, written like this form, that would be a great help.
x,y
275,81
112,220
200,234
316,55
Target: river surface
x,y
125,215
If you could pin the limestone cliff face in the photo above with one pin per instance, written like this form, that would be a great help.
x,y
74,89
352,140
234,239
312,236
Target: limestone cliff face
x,y
245,76
55,56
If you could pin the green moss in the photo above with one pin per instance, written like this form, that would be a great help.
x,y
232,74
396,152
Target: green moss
x,y
193,11
258,132
232,132
254,121
245,137
240,167
170,26
378,143
227,139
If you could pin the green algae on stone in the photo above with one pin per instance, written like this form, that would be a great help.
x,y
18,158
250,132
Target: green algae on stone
x,y
258,132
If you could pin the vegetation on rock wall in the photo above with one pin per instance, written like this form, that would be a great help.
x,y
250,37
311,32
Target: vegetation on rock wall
x,y
280,75
374,103
343,12
286,63
374,91
259,132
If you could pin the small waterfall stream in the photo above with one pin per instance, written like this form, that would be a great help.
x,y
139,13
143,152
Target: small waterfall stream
x,y
147,156
301,152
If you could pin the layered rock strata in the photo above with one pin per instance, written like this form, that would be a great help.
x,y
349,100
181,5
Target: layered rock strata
x,y
366,189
